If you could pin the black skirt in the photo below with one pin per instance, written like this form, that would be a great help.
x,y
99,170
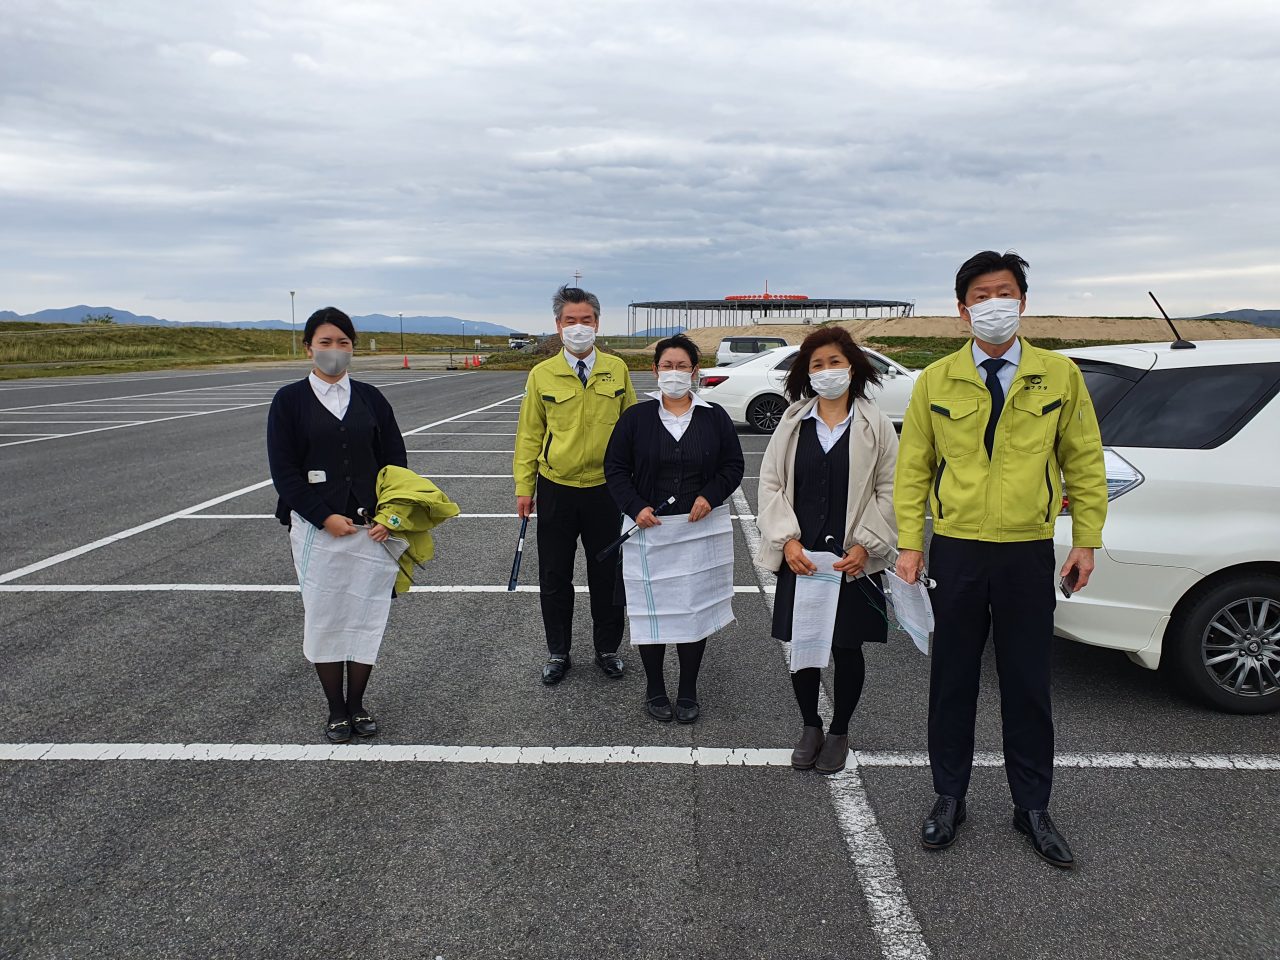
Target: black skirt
x,y
860,611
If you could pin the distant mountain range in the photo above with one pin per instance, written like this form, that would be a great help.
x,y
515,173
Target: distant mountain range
x,y
660,331
372,322
1263,318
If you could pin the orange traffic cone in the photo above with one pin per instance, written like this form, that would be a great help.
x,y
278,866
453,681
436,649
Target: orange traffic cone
x,y
405,366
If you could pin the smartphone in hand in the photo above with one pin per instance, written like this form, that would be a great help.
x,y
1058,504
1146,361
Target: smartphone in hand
x,y
1068,583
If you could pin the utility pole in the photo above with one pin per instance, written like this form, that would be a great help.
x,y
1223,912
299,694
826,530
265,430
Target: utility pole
x,y
293,327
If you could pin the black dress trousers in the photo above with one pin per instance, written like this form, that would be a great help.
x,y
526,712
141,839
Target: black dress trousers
x,y
1007,590
566,514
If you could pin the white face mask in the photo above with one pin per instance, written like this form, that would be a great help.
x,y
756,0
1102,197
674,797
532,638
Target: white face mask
x,y
331,362
996,321
578,337
674,383
831,384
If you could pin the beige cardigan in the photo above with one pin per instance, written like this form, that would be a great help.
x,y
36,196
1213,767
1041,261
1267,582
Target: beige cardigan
x,y
873,453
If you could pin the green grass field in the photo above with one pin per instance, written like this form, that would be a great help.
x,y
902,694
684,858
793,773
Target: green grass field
x,y
42,349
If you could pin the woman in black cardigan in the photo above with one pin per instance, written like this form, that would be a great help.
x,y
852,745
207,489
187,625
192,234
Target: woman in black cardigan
x,y
328,436
681,446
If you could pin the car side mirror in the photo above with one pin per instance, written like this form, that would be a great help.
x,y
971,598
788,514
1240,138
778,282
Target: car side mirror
x,y
890,374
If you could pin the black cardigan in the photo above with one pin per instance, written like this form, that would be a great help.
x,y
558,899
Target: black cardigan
x,y
630,462
290,453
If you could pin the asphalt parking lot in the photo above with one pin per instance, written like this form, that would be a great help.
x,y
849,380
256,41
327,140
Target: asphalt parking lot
x,y
168,791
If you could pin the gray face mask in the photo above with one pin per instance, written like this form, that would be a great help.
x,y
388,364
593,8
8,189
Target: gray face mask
x,y
332,362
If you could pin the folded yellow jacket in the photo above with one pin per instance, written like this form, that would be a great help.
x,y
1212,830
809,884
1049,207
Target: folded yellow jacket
x,y
410,507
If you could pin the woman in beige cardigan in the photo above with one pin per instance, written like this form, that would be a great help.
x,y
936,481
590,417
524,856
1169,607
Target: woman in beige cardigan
x,y
826,484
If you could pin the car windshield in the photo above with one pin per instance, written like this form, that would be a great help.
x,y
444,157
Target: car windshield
x,y
1188,408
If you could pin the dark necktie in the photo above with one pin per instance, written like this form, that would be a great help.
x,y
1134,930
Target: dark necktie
x,y
993,368
582,372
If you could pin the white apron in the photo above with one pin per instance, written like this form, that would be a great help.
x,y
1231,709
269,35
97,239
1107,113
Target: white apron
x,y
346,592
679,578
813,616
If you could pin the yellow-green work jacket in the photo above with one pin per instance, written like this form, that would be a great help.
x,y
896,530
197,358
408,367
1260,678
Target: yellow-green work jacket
x,y
564,427
1047,431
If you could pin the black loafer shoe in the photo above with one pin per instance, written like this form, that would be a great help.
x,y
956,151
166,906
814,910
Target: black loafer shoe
x,y
363,724
555,670
659,708
1049,845
687,710
611,664
338,731
943,823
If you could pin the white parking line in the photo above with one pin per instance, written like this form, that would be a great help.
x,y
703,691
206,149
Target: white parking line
x,y
267,588
225,399
465,515
125,534
674,756
152,524
454,419
892,919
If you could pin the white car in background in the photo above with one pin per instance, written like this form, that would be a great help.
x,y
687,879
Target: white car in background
x,y
734,349
751,391
1189,575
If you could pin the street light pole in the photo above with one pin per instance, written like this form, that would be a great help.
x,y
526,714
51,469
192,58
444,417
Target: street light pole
x,y
293,327
402,333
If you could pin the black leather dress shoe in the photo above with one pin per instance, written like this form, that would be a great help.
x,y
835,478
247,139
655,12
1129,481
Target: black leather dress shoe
x,y
659,708
363,724
338,731
687,710
943,823
611,664
555,670
1049,845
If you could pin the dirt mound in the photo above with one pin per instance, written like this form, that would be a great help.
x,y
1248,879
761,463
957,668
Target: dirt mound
x,y
1116,329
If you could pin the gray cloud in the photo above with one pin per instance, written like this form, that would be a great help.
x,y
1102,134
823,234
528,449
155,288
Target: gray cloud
x,y
198,161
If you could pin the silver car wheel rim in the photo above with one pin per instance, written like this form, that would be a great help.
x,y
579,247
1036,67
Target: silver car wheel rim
x,y
768,413
1240,648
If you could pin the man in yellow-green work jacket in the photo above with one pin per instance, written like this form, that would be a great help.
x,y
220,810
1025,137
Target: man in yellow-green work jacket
x,y
990,433
571,402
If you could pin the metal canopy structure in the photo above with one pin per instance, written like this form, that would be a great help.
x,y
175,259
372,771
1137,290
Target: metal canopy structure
x,y
763,308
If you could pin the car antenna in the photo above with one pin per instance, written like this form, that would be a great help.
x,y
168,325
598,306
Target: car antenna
x,y
1178,342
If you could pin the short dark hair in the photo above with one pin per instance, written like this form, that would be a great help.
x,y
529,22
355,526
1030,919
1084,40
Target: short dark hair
x,y
568,294
861,370
328,315
988,261
678,342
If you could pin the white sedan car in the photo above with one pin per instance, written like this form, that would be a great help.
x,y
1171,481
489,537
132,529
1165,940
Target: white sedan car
x,y
751,391
1189,575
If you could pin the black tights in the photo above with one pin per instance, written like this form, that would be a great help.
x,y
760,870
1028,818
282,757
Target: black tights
x,y
850,672
331,679
690,654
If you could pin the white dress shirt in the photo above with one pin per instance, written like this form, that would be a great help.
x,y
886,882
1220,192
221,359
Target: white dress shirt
x,y
589,360
830,436
677,425
336,397
1008,371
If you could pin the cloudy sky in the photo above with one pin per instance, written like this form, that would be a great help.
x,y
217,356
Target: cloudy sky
x,y
197,160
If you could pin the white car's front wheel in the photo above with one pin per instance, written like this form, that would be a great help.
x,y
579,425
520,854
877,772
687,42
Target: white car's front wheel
x,y
1225,647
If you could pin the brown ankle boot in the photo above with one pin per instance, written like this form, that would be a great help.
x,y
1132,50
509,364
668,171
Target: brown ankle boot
x,y
805,754
834,755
